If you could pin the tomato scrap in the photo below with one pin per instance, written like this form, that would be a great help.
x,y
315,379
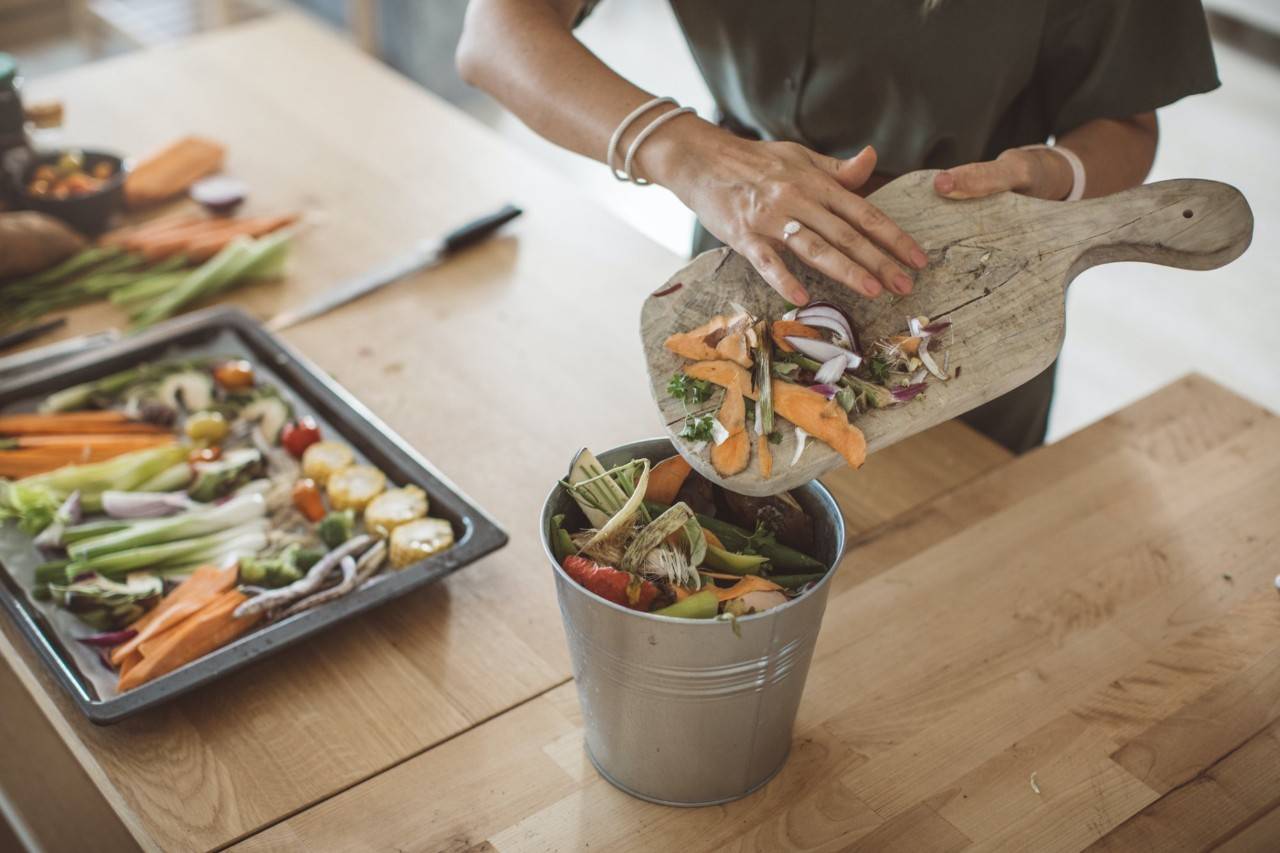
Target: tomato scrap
x,y
299,435
306,497
610,584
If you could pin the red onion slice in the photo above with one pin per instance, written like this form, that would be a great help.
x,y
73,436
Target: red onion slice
x,y
907,392
823,351
826,390
108,639
832,369
826,316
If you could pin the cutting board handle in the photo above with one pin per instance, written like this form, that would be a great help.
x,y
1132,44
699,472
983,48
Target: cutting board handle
x,y
1185,223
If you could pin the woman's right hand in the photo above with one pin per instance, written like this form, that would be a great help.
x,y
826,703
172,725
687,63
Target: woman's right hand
x,y
745,192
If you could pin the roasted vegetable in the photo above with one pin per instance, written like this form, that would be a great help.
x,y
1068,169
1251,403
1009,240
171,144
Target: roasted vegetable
x,y
394,507
419,539
308,500
107,605
218,479
299,435
324,458
270,413
336,527
234,375
206,427
187,390
284,568
355,486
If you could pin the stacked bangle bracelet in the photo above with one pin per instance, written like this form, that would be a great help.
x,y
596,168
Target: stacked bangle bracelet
x,y
1073,161
627,172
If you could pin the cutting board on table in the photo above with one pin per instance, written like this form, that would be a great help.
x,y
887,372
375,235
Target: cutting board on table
x,y
998,270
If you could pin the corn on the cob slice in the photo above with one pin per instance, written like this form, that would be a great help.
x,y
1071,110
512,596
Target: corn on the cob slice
x,y
418,539
354,487
393,508
323,459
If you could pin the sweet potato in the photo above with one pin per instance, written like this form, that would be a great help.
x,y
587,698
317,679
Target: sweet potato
x,y
734,347
205,584
749,583
780,330
726,374
666,478
694,343
31,242
210,628
732,455
171,170
821,418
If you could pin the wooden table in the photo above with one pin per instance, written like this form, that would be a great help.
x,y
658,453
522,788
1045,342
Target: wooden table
x,y
1098,613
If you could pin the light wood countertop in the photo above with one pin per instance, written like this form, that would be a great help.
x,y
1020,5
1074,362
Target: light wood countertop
x,y
1067,614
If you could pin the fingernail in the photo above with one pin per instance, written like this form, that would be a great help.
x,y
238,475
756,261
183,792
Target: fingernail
x,y
901,284
919,258
872,287
945,182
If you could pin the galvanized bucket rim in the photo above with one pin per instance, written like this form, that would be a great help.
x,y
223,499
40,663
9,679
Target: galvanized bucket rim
x,y
680,620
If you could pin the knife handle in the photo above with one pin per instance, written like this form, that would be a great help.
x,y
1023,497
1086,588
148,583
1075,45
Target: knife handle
x,y
478,229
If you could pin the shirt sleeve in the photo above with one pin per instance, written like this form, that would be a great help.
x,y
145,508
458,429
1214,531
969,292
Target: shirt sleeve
x,y
1118,58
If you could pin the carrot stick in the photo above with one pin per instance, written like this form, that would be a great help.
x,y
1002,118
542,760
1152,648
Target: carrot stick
x,y
205,584
212,627
206,246
121,236
124,440
170,241
73,422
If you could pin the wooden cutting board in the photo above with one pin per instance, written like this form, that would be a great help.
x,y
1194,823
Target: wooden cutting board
x,y
998,270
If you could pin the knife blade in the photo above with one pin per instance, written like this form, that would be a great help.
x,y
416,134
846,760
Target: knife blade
x,y
424,255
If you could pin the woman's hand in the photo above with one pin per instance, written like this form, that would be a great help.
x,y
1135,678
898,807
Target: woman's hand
x,y
1030,171
746,192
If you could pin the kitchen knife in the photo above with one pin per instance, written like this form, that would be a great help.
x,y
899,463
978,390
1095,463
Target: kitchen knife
x,y
424,255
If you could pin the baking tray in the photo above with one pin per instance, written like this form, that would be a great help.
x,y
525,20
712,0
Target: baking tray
x,y
229,331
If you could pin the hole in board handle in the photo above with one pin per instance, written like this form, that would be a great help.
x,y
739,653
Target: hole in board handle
x,y
1187,214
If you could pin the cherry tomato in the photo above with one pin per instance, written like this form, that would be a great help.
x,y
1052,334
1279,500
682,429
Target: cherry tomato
x,y
234,375
298,435
306,497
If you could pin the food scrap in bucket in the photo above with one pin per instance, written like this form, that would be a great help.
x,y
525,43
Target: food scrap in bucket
x,y
659,538
807,370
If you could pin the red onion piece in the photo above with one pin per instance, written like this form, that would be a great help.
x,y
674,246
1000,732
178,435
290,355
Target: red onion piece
x,y
828,391
831,370
826,317
830,309
109,639
907,392
936,328
823,351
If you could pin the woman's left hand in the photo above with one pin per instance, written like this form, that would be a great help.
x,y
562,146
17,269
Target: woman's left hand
x,y
1036,172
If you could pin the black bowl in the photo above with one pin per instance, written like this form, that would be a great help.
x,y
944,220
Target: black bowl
x,y
88,213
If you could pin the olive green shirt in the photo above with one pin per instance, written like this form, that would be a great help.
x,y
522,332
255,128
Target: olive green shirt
x,y
956,84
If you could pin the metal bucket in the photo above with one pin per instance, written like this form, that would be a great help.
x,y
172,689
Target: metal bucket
x,y
691,712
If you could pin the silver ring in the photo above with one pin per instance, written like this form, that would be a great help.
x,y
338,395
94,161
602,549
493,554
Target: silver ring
x,y
792,227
